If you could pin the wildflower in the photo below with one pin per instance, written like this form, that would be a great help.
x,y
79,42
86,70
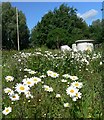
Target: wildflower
x,y
73,77
58,95
77,84
47,88
21,88
27,70
9,91
9,78
101,63
49,72
42,76
32,72
35,80
66,76
63,80
71,91
66,105
7,110
28,82
28,94
52,74
14,97
78,95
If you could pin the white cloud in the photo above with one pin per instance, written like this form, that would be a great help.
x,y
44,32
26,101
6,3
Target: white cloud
x,y
89,14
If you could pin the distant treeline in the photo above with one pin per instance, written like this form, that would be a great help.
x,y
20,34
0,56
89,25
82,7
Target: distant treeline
x,y
57,27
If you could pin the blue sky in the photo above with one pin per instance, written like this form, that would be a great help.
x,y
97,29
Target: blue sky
x,y
34,11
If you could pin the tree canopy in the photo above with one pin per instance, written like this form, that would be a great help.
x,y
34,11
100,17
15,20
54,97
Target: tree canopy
x,y
9,28
49,29
58,27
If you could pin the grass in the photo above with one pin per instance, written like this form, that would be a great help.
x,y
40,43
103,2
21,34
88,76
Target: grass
x,y
44,104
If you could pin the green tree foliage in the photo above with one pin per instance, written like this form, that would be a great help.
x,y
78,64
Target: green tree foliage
x,y
64,18
9,28
97,31
57,37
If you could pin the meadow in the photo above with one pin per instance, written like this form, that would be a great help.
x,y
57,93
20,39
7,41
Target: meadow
x,y
44,83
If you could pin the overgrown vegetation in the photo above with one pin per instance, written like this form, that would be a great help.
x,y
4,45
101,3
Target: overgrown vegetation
x,y
50,102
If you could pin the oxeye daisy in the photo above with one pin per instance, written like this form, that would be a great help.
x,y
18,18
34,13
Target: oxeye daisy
x,y
78,95
9,78
35,80
66,105
58,95
28,94
71,91
77,84
14,97
21,88
47,88
49,72
7,110
28,82
32,72
73,77
8,91
66,75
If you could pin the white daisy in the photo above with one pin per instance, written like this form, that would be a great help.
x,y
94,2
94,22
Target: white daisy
x,y
35,80
66,105
63,80
14,97
9,78
32,72
28,94
58,95
49,72
21,88
66,76
73,77
77,84
8,91
42,76
71,91
7,110
52,74
78,95
28,82
47,88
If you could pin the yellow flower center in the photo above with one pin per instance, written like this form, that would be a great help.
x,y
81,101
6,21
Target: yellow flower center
x,y
28,82
72,91
22,88
76,84
35,79
54,74
7,110
46,88
9,91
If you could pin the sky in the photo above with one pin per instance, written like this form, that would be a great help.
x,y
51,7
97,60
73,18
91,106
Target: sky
x,y
34,11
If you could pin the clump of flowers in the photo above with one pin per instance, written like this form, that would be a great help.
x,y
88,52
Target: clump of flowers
x,y
47,88
73,89
52,74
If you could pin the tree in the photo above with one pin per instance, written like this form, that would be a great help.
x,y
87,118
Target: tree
x,y
56,38
9,28
96,31
64,18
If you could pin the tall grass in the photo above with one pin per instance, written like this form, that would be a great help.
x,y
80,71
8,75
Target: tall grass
x,y
86,66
